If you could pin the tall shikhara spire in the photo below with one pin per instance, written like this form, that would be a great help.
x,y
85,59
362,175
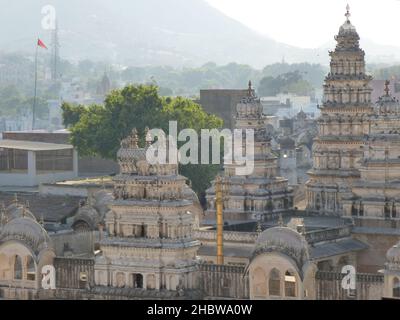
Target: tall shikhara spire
x,y
342,126
262,194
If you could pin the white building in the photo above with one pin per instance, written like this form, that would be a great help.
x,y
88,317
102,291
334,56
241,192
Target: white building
x,y
28,163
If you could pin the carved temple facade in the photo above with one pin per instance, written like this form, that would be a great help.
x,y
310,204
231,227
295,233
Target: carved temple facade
x,y
149,243
260,194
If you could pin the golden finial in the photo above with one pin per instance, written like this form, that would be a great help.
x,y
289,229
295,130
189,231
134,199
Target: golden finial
x,y
387,90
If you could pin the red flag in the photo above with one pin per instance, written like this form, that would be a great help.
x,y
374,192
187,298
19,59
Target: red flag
x,y
41,44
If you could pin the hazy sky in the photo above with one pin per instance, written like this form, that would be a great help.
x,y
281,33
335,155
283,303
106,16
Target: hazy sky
x,y
313,23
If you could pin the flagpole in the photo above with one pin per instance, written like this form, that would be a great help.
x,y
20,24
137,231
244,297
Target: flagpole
x,y
34,97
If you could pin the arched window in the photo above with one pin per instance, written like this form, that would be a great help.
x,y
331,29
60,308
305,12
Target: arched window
x,y
18,268
30,269
138,281
274,283
290,284
396,288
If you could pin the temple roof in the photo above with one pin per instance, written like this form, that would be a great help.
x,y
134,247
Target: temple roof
x,y
347,27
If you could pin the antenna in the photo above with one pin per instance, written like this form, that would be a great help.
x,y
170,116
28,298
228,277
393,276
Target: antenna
x,y
56,53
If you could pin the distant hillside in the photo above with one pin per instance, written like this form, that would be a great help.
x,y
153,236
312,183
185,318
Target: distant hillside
x,y
142,32
145,32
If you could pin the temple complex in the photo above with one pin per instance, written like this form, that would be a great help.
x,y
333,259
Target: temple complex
x,y
145,236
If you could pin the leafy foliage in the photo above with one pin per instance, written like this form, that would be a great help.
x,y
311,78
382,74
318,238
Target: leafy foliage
x,y
291,82
13,103
98,129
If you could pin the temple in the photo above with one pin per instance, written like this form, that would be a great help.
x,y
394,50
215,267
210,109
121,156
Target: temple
x,y
262,194
149,243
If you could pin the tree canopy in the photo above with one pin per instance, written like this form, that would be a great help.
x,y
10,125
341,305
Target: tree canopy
x,y
291,82
97,130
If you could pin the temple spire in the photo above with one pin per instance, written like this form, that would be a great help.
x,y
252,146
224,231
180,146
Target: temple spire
x,y
250,90
387,90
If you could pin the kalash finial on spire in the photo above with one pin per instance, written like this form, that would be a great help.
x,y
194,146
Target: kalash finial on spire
x,y
348,14
135,139
387,90
250,90
148,137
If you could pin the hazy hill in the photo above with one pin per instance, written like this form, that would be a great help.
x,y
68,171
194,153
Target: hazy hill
x,y
176,32
143,32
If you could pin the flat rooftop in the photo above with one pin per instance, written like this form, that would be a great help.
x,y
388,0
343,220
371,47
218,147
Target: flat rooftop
x,y
33,146
84,182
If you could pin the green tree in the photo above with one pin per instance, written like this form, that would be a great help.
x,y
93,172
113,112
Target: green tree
x,y
98,129
71,113
291,82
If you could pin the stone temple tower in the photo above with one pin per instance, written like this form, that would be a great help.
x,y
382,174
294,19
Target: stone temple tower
x,y
149,244
261,194
342,126
377,195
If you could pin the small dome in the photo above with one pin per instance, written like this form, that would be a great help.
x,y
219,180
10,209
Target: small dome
x,y
88,215
133,160
17,210
284,240
27,230
393,254
347,27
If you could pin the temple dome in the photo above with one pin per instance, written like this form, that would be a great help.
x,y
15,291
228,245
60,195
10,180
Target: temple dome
x,y
133,160
393,254
27,230
16,210
88,215
284,240
347,27
387,104
249,106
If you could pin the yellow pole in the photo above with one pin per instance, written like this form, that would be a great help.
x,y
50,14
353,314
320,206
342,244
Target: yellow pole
x,y
220,221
